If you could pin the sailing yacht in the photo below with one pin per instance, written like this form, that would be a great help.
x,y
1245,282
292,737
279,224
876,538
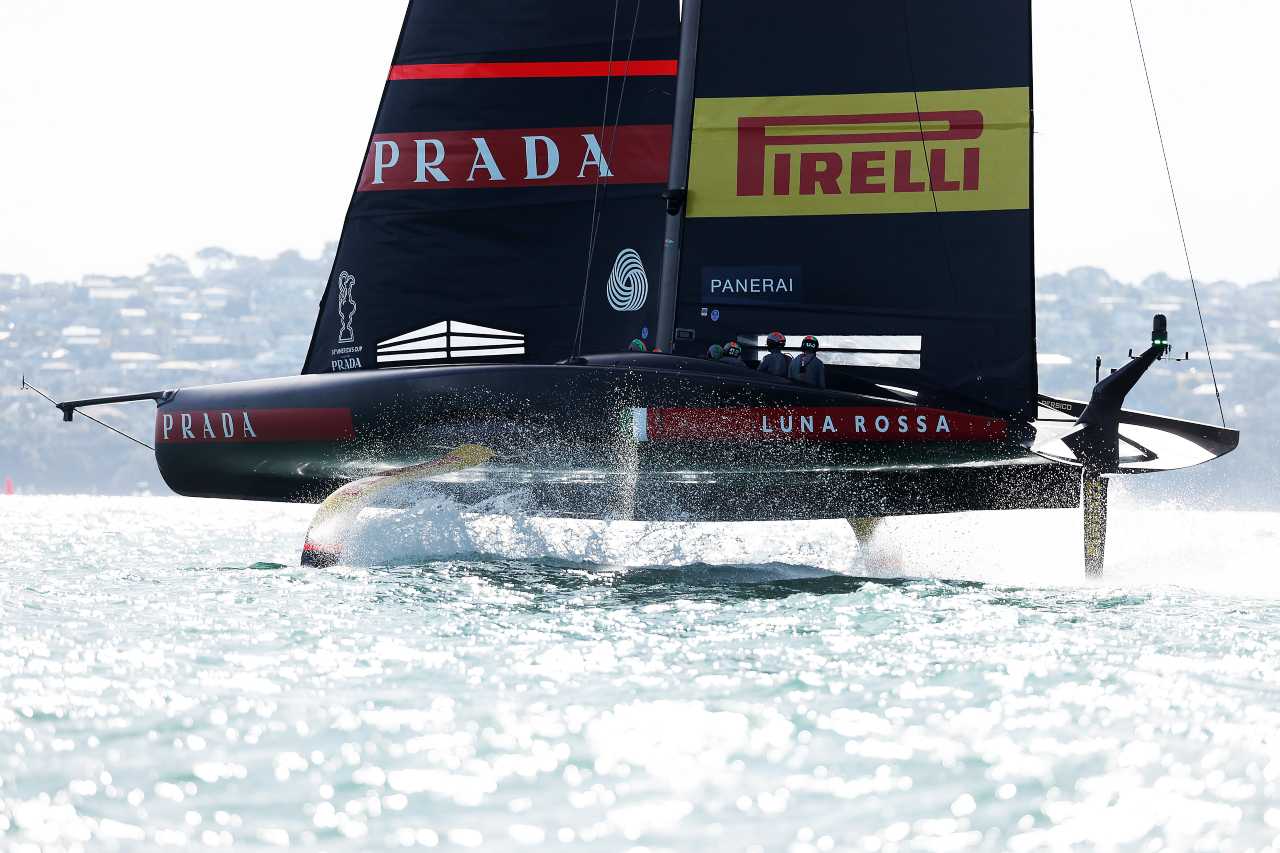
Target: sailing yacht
x,y
546,182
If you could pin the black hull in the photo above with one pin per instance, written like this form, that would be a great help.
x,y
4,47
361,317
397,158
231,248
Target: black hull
x,y
566,443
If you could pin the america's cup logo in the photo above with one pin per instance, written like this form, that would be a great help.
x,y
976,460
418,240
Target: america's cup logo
x,y
346,307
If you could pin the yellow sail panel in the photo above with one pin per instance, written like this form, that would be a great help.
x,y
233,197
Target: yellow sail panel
x,y
833,155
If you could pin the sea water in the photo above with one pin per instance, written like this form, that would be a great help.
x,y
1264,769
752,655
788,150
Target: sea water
x,y
169,677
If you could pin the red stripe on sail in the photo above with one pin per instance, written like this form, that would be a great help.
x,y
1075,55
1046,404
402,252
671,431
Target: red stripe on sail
x,y
527,70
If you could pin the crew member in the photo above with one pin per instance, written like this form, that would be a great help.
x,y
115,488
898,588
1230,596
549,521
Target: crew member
x,y
715,352
807,368
776,362
733,354
637,345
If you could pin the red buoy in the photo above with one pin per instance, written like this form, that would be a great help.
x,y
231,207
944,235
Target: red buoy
x,y
8,485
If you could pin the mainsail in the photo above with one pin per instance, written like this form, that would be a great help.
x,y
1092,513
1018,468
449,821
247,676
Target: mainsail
x,y
857,171
862,172
509,132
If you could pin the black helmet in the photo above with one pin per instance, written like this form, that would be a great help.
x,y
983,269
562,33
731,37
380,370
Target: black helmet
x,y
776,339
809,344
733,349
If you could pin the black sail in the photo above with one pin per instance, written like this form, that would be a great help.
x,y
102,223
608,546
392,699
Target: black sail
x,y
504,124
811,209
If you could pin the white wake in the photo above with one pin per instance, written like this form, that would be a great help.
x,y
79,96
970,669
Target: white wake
x,y
1227,551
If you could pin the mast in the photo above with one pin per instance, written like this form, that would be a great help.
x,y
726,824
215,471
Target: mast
x,y
677,182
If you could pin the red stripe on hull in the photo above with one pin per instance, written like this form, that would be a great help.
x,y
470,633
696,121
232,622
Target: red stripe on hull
x,y
250,425
533,70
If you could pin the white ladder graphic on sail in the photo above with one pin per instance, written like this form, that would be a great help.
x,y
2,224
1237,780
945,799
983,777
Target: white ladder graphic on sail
x,y
448,340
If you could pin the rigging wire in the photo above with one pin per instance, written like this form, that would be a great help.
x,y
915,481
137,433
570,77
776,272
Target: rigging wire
x,y
602,178
928,165
924,150
1186,253
595,195
27,386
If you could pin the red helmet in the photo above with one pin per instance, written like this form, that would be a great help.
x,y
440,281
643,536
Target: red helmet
x,y
777,339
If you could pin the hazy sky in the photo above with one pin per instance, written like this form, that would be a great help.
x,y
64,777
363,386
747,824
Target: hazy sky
x,y
134,128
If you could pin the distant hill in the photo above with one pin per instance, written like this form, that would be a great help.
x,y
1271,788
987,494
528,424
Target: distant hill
x,y
222,316
1086,313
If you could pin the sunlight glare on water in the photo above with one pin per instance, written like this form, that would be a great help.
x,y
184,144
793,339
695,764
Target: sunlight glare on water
x,y
170,677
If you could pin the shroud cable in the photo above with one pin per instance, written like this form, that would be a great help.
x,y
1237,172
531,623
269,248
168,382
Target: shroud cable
x,y
1186,253
595,196
602,180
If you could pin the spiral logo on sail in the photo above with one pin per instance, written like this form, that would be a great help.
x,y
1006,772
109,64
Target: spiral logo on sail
x,y
628,284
